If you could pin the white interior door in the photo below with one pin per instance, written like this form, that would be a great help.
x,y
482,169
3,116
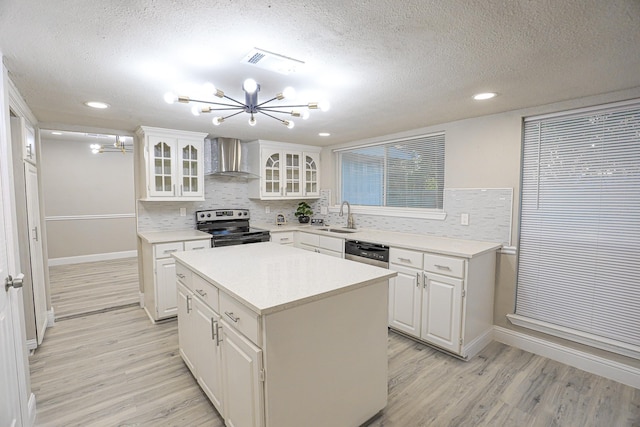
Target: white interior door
x,y
10,414
35,250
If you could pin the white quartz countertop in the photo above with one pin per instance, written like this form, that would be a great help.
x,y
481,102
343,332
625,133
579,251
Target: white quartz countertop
x,y
173,236
268,277
420,242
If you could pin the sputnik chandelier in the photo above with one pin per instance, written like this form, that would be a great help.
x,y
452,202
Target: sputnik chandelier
x,y
250,105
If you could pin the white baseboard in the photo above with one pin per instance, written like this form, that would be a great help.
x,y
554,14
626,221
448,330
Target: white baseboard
x,y
92,258
51,318
32,410
476,345
625,374
141,299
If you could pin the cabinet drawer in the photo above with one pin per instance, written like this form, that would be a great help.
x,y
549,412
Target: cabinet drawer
x,y
282,238
240,317
194,245
308,239
405,257
184,275
331,243
164,250
206,291
444,265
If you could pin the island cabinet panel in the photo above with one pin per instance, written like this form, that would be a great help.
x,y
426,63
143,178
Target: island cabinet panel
x,y
326,361
209,352
187,339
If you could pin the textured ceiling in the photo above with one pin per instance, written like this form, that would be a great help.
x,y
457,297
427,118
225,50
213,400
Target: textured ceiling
x,y
385,66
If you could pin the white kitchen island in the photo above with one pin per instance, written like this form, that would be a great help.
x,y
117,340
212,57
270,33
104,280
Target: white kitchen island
x,y
277,336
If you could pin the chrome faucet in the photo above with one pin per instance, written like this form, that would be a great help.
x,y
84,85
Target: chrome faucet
x,y
350,222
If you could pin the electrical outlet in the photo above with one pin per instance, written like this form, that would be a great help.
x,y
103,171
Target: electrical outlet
x,y
324,210
183,211
464,219
267,209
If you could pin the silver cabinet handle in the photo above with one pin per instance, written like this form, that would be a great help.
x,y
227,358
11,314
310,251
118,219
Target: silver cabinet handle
x,y
231,316
29,153
417,280
201,292
180,275
168,251
188,303
218,339
199,247
405,259
284,239
442,267
35,232
181,190
214,329
424,280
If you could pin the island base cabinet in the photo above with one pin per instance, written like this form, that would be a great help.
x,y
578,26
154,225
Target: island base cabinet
x,y
243,376
187,339
326,361
442,319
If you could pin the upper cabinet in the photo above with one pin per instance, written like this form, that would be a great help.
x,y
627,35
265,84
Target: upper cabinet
x,y
287,171
170,164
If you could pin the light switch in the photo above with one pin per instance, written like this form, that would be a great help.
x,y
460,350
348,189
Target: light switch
x,y
324,210
464,219
267,209
183,211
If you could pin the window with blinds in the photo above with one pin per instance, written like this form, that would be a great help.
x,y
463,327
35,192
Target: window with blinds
x,y
406,173
579,257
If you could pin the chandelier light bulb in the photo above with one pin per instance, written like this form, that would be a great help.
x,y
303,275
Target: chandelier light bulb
x,y
289,124
95,146
217,121
95,150
195,110
252,121
305,115
170,97
209,88
289,92
250,86
324,105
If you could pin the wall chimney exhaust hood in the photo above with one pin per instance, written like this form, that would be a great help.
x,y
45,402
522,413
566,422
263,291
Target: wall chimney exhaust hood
x,y
230,161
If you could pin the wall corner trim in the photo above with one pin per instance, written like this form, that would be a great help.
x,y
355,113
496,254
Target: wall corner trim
x,y
594,364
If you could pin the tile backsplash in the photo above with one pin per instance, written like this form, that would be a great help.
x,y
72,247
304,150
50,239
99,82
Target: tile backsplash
x,y
489,212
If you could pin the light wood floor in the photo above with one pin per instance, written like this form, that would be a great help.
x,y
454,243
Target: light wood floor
x,y
93,286
115,368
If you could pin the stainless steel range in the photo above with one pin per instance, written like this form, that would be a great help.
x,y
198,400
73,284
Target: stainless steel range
x,y
229,227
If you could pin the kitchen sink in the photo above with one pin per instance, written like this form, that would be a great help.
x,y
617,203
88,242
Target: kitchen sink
x,y
338,230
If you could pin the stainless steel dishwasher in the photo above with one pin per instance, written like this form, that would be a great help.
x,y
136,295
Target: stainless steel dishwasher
x,y
367,253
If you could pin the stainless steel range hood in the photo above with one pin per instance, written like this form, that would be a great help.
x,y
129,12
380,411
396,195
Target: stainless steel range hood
x,y
229,159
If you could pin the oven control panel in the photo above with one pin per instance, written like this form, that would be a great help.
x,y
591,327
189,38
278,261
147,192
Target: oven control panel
x,y
221,214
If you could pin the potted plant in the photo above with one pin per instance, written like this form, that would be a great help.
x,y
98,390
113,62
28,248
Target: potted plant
x,y
303,212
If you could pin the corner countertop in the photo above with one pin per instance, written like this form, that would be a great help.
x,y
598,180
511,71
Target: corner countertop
x,y
278,277
419,242
173,236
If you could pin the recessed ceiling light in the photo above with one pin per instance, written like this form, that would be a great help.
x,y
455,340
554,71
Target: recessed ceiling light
x,y
56,133
324,134
484,95
96,104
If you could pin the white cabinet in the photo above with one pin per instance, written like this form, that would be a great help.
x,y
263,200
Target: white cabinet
x,y
282,237
170,164
186,326
327,245
29,144
443,300
209,356
242,377
287,171
159,276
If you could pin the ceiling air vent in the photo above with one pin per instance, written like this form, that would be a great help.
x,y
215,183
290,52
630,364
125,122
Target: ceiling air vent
x,y
272,61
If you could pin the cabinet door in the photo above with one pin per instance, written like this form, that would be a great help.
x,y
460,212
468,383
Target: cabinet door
x,y
405,300
166,297
271,176
162,157
190,168
187,340
29,143
209,356
442,311
243,387
311,183
292,174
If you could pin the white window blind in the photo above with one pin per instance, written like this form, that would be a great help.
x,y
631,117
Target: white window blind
x,y
407,173
579,258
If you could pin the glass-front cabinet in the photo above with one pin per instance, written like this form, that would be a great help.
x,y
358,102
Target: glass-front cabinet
x,y
170,164
287,171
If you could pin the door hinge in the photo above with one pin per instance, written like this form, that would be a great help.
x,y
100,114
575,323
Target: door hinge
x,y
464,293
261,375
460,341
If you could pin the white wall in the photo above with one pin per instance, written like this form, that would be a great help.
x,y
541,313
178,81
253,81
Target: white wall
x,y
89,200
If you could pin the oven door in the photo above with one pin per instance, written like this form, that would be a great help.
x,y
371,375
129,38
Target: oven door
x,y
230,240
